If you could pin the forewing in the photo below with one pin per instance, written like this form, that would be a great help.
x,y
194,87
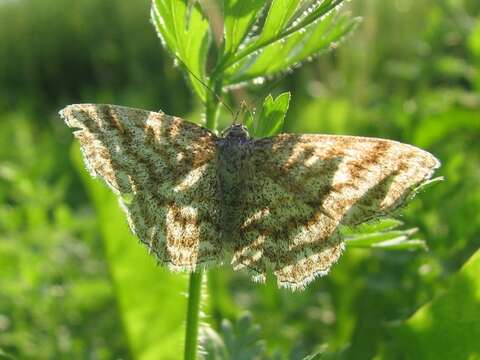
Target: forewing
x,y
164,170
302,187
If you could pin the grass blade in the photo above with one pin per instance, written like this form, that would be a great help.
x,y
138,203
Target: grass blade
x,y
149,296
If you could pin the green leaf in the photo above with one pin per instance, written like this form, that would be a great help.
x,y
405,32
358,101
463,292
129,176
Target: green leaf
x,y
293,31
235,342
279,15
449,326
272,115
426,185
382,235
240,16
212,345
185,33
288,17
375,226
313,10
242,339
301,45
249,122
150,297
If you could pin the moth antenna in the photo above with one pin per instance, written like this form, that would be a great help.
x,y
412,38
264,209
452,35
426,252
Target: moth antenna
x,y
240,114
211,91
235,117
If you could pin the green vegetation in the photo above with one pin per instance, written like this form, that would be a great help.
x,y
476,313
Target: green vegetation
x,y
74,283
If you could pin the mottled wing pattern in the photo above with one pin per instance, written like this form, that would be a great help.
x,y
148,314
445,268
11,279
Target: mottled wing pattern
x,y
164,169
302,187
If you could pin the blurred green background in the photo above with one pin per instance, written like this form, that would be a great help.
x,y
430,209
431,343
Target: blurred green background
x,y
74,284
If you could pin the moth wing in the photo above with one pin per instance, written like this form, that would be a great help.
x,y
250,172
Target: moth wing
x,y
164,170
303,187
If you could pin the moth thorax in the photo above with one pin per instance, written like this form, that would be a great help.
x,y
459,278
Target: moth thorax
x,y
237,131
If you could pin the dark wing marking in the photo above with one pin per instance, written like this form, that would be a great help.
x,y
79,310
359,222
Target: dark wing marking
x,y
302,187
165,170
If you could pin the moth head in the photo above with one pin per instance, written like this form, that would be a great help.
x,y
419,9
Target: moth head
x,y
236,131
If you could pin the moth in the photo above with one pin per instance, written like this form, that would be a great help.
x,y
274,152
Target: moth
x,y
275,204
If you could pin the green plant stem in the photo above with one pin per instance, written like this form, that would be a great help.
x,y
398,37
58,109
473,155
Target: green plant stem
x,y
195,283
193,315
211,114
